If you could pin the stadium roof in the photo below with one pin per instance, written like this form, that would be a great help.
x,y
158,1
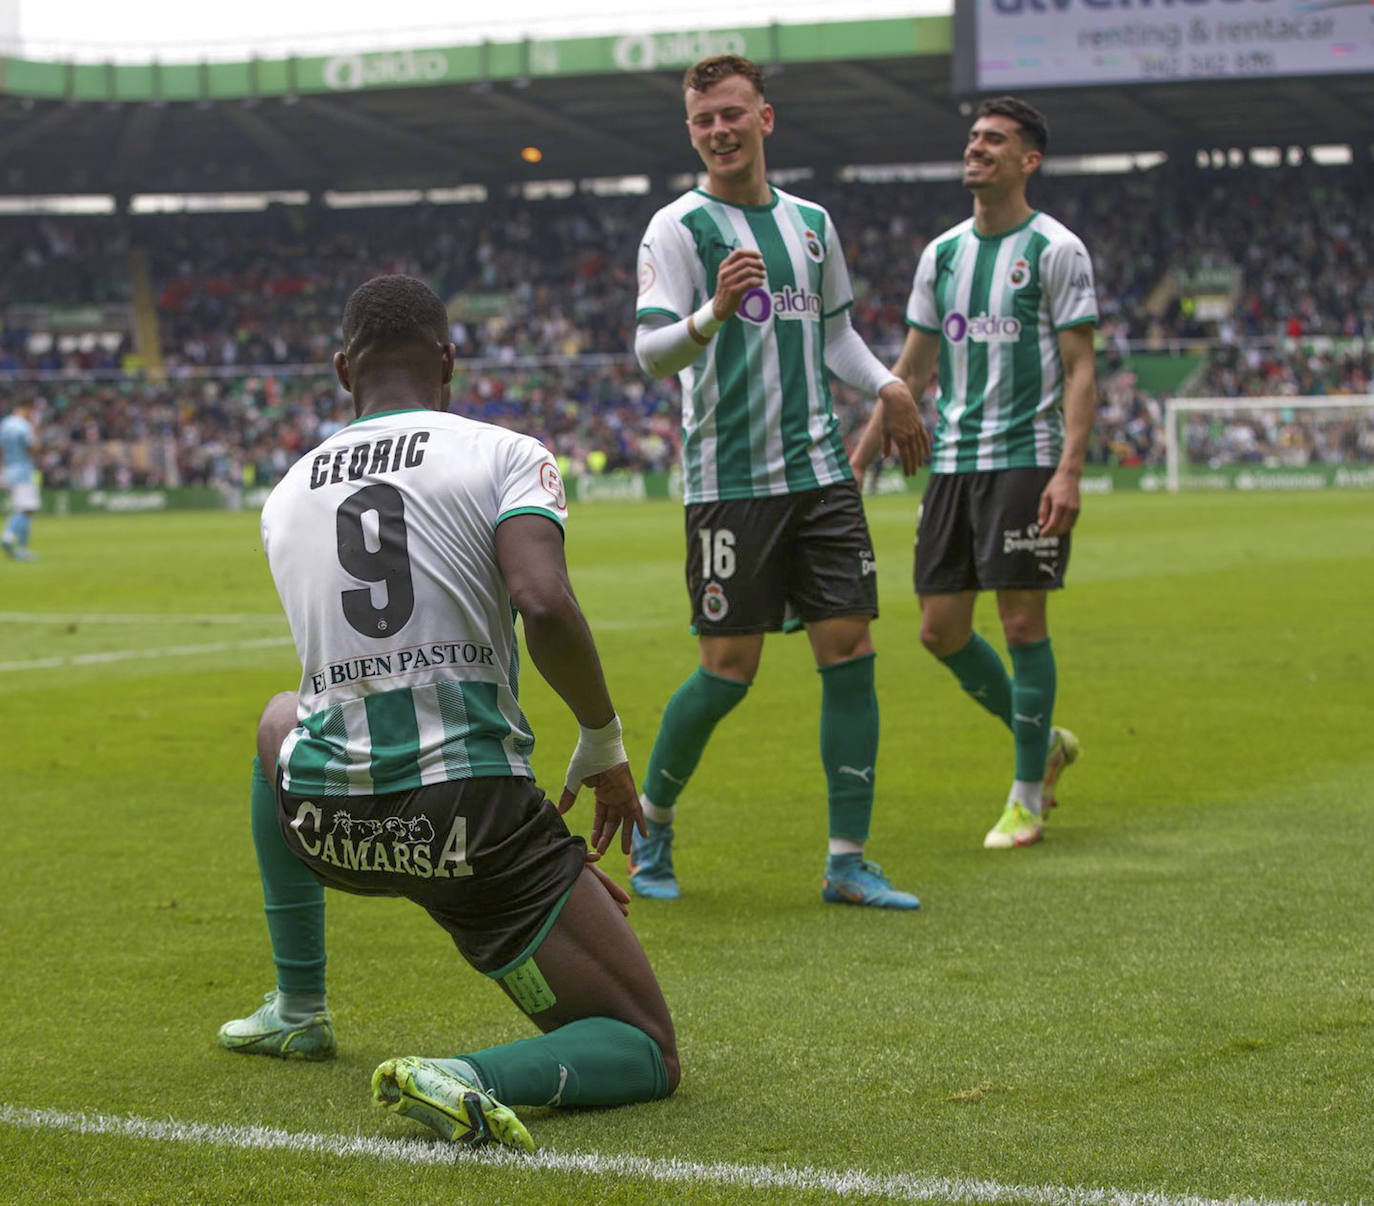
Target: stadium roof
x,y
867,92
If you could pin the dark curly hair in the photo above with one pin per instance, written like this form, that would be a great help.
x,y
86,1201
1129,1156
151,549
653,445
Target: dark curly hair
x,y
391,310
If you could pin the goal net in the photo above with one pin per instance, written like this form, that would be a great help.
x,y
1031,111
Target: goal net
x,y
1308,443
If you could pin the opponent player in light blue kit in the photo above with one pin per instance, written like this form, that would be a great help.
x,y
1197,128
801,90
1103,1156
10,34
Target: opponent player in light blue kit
x,y
18,443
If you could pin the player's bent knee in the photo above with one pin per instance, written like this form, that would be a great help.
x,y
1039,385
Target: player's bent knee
x,y
939,643
1022,629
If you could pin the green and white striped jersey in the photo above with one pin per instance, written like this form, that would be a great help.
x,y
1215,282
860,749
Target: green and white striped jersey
x,y
998,303
382,543
757,419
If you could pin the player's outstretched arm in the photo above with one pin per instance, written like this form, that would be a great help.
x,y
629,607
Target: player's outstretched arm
x,y
1060,502
529,549
914,367
902,432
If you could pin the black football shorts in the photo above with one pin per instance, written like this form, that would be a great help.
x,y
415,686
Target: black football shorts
x,y
489,859
757,562
979,531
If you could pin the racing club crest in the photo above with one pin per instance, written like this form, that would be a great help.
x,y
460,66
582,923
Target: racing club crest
x,y
1020,273
812,242
714,605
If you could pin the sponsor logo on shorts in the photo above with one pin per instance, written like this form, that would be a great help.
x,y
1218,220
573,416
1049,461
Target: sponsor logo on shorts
x,y
981,328
395,845
1029,540
714,605
867,564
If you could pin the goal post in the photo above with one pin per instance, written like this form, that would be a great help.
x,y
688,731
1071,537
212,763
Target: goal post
x,y
1332,435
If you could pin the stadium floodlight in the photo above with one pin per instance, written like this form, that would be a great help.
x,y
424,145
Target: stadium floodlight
x,y
1269,443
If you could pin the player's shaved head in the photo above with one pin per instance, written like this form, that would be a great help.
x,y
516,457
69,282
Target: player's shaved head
x,y
391,312
709,72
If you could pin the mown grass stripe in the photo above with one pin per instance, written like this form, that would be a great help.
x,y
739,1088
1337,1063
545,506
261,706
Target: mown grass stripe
x,y
124,655
146,617
842,1183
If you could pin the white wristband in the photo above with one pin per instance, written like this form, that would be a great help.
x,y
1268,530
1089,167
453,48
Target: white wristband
x,y
597,750
704,321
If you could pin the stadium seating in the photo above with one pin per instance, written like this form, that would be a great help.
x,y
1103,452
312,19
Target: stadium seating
x,y
247,307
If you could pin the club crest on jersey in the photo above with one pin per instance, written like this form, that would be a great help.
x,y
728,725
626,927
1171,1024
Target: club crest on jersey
x,y
552,481
812,242
758,305
714,605
1019,274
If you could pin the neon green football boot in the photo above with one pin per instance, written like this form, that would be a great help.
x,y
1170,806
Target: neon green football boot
x,y
1017,826
266,1032
446,1103
1064,751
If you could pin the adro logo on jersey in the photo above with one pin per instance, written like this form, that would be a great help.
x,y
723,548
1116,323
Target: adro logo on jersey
x,y
981,328
758,305
397,845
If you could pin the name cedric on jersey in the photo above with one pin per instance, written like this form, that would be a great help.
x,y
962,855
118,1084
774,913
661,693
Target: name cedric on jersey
x,y
384,456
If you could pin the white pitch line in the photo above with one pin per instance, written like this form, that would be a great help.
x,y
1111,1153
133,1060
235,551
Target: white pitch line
x,y
841,1183
174,617
125,655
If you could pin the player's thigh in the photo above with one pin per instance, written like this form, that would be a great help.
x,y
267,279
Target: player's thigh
x,y
277,720
24,497
1012,555
595,968
737,565
945,557
831,569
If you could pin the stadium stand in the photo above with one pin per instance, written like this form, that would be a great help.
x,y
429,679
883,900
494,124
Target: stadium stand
x,y
194,348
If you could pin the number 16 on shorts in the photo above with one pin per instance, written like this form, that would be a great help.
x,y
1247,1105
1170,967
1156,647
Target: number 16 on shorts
x,y
717,553
717,562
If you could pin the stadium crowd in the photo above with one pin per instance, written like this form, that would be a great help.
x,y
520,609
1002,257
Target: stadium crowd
x,y
542,299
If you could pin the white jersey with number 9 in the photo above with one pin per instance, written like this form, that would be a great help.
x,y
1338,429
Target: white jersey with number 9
x,y
381,542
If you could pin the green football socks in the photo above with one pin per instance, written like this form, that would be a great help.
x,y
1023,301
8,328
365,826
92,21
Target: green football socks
x,y
590,1062
293,900
849,744
1032,696
980,672
688,721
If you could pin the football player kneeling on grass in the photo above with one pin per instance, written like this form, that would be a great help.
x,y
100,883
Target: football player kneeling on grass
x,y
401,548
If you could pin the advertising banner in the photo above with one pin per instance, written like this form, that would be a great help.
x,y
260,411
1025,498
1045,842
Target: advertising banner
x,y
1050,43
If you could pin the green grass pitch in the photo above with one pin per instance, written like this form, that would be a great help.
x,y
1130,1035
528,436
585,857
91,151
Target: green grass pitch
x,y
1173,994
